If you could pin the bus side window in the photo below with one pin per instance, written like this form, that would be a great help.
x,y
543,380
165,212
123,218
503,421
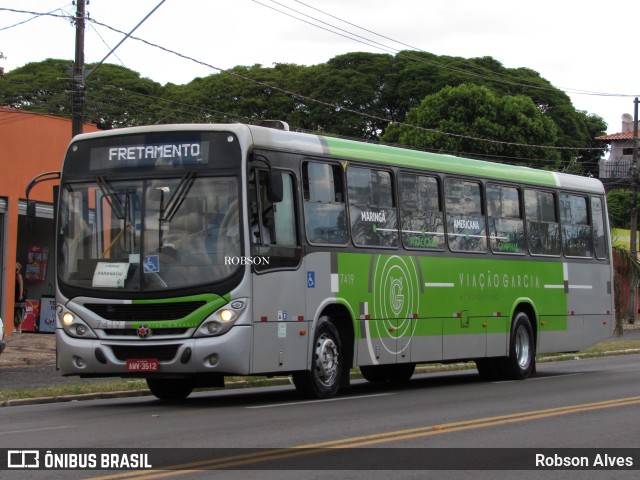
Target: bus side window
x,y
372,208
577,234
506,226
543,228
421,214
466,229
324,206
599,233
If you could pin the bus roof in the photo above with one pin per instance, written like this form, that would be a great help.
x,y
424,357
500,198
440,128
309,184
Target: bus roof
x,y
343,149
403,157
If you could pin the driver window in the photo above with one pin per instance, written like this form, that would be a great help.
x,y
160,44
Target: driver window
x,y
272,225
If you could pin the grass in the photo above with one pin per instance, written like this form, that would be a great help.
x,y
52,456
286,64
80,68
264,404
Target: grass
x,y
113,388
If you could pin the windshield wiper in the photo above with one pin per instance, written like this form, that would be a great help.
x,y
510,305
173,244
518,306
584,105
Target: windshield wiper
x,y
178,197
112,197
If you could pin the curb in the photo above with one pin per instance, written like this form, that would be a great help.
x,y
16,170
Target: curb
x,y
279,381
74,398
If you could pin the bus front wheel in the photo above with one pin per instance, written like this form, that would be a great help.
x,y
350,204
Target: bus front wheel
x,y
170,388
323,380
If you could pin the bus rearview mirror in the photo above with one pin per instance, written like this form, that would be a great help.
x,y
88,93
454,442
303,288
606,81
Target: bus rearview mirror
x,y
275,187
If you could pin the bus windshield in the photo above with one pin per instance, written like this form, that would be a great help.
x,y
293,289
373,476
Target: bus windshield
x,y
148,234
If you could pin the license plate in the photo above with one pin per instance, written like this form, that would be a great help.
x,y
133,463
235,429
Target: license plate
x,y
143,365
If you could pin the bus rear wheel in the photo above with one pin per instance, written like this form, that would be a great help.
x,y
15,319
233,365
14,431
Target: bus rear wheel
x,y
521,362
171,389
323,380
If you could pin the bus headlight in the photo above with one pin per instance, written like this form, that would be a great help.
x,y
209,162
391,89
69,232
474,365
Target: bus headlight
x,y
227,315
68,318
73,325
222,320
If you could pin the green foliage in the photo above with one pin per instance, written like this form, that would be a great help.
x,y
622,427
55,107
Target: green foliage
x,y
619,207
38,87
357,95
115,96
119,97
476,111
627,272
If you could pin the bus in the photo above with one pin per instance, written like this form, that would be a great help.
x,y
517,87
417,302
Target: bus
x,y
189,253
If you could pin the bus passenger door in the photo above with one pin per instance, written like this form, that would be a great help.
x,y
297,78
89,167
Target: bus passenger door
x,y
280,341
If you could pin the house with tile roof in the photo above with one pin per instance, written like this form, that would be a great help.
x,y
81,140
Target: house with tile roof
x,y
618,164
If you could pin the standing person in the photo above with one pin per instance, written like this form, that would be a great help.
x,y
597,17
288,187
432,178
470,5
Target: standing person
x,y
2,344
19,309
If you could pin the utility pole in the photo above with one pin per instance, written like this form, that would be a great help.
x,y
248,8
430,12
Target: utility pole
x,y
634,213
77,77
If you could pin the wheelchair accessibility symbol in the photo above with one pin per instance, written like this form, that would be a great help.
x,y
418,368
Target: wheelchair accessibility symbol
x,y
311,279
151,264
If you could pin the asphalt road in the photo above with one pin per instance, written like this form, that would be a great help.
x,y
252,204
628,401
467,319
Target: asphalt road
x,y
580,404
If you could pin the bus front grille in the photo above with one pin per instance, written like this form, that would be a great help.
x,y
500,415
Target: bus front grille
x,y
133,332
143,312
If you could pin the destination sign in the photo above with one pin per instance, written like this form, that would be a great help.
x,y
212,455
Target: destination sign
x,y
149,155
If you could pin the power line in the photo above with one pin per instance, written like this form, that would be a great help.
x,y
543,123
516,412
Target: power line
x,y
36,15
127,102
342,107
440,65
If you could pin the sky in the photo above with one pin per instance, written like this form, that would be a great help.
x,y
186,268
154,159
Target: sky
x,y
577,45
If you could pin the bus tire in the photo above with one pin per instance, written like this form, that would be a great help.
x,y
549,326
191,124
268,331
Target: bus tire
x,y
401,372
397,373
171,389
323,380
521,362
488,368
374,373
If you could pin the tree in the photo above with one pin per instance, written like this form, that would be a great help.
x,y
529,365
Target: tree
x,y
2,57
38,87
470,111
619,208
357,94
115,96
627,273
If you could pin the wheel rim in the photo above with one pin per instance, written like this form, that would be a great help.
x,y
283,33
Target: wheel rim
x,y
523,348
326,359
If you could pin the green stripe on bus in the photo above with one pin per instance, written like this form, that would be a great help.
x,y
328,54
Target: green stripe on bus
x,y
440,163
212,303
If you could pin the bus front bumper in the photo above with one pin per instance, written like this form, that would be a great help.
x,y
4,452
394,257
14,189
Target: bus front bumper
x,y
226,354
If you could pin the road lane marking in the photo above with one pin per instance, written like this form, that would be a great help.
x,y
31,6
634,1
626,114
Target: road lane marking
x,y
31,430
372,439
559,375
311,402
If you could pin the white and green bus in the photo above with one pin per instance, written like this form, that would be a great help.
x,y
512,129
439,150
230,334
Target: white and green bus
x,y
187,253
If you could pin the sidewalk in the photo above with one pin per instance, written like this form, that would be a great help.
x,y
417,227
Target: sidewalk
x,y
29,349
